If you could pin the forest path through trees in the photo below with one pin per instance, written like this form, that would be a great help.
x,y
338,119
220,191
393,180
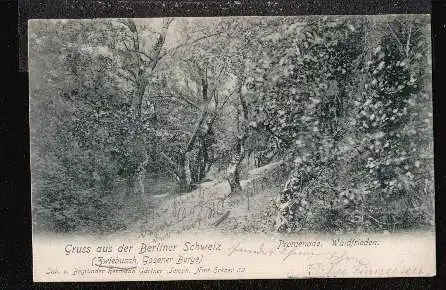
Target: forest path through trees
x,y
212,206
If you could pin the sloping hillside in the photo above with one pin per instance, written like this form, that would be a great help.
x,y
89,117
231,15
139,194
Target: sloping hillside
x,y
212,206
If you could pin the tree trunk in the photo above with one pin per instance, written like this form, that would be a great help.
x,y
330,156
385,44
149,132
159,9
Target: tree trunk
x,y
234,167
135,183
130,186
185,176
203,159
185,170
139,181
139,96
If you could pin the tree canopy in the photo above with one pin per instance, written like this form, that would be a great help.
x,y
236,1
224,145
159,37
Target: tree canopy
x,y
344,102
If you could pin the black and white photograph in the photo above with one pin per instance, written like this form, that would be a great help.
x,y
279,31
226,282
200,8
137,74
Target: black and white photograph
x,y
283,125
274,123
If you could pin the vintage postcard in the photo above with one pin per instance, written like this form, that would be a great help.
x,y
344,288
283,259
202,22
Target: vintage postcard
x,y
231,148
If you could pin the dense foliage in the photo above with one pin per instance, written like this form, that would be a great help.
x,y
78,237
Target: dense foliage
x,y
344,102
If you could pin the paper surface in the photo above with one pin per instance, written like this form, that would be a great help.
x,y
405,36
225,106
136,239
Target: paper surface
x,y
218,257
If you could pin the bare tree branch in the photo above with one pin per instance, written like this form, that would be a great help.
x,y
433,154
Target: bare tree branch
x,y
151,31
189,94
396,37
159,45
226,99
140,52
179,97
128,78
223,68
197,128
189,43
173,164
408,41
125,45
131,72
168,21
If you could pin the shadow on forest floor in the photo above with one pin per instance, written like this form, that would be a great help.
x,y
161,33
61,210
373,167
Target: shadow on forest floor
x,y
211,206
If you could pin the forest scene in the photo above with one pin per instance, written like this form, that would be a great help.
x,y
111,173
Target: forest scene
x,y
243,124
